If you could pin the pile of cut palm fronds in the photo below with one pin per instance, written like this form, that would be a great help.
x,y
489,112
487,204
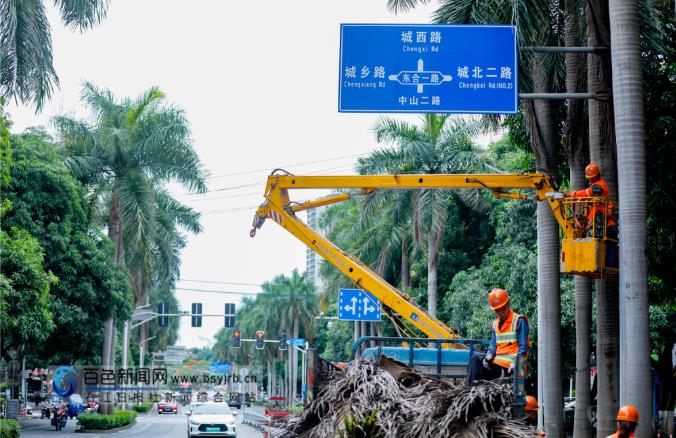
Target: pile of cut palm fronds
x,y
388,399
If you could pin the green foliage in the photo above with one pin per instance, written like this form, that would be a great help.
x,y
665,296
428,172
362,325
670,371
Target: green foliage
x,y
296,410
49,204
143,407
369,427
334,339
660,141
105,422
9,428
25,289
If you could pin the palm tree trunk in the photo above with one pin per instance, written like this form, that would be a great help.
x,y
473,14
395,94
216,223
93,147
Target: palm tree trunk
x,y
433,244
405,265
294,363
628,106
577,147
583,319
272,389
549,301
268,378
602,152
115,235
582,427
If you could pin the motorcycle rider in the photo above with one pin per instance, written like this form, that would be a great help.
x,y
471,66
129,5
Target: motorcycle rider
x,y
60,412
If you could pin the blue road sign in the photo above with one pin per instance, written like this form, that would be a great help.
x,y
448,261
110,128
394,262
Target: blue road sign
x,y
428,69
220,367
357,305
296,342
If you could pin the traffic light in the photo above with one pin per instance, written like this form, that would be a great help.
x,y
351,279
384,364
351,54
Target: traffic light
x,y
237,339
282,341
196,314
162,309
229,315
260,339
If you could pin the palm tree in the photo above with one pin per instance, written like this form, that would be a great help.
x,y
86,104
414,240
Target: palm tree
x,y
578,144
129,149
155,261
441,144
628,106
602,151
294,302
26,69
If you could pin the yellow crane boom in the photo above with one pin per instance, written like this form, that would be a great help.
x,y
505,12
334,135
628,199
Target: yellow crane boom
x,y
278,207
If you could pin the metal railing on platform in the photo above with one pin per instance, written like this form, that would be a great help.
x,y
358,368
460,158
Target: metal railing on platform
x,y
254,420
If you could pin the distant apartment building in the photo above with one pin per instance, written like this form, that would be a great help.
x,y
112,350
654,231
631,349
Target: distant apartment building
x,y
312,259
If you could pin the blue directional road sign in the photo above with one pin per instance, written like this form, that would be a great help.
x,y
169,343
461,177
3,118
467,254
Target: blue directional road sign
x,y
220,367
428,69
296,342
357,305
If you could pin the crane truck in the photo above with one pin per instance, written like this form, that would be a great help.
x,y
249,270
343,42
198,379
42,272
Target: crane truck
x,y
583,246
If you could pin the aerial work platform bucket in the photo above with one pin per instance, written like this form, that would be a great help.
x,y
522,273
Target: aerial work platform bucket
x,y
590,247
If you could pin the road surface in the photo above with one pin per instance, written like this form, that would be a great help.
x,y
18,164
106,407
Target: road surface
x,y
147,425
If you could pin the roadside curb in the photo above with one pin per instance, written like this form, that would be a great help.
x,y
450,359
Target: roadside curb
x,y
105,431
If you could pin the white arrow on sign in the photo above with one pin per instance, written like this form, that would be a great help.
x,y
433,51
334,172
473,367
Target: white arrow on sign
x,y
368,308
353,308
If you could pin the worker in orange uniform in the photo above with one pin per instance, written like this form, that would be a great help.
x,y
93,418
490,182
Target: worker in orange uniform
x,y
627,421
531,410
597,212
509,341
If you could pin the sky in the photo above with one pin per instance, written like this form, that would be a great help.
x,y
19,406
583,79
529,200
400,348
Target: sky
x,y
258,81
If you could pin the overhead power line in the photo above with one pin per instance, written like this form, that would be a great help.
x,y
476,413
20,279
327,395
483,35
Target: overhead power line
x,y
262,183
223,292
267,169
230,292
220,282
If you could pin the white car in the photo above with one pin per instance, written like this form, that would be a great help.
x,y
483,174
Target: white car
x,y
211,419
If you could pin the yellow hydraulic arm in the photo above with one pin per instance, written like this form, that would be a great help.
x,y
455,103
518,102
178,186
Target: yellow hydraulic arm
x,y
279,208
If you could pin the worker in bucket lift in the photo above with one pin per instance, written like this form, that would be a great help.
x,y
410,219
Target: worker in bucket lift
x,y
627,421
597,212
509,341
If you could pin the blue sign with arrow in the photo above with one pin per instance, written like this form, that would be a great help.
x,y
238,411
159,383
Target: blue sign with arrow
x,y
296,342
428,69
357,305
220,367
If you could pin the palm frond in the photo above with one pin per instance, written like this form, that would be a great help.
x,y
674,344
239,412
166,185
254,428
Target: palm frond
x,y
101,102
399,6
82,14
137,210
163,145
387,160
26,70
178,213
396,131
146,100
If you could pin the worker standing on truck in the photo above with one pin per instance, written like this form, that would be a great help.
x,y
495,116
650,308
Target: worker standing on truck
x,y
597,212
627,421
509,341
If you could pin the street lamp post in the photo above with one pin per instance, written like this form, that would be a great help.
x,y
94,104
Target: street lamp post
x,y
141,356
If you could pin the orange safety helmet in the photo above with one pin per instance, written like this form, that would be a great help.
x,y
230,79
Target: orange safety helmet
x,y
592,170
498,298
627,413
531,404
